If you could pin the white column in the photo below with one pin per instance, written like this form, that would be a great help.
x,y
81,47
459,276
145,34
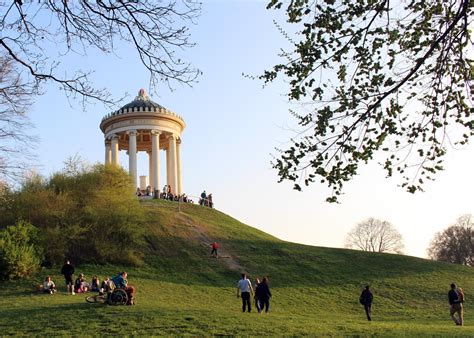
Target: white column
x,y
115,150
172,167
132,155
168,171
178,169
155,155
108,152
150,169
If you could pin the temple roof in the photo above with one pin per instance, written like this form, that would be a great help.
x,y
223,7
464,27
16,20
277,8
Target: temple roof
x,y
142,100
141,103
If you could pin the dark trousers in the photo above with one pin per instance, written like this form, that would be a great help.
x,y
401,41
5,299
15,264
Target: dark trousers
x,y
264,303
368,311
246,301
257,305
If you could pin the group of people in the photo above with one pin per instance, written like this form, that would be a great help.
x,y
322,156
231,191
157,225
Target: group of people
x,y
81,286
455,299
166,194
260,292
206,200
147,192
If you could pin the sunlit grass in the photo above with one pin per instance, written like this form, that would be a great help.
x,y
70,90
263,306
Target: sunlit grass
x,y
182,290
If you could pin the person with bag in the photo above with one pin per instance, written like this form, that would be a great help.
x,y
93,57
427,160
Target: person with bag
x,y
456,298
366,299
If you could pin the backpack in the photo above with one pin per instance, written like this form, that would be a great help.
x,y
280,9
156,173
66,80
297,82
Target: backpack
x,y
361,300
460,293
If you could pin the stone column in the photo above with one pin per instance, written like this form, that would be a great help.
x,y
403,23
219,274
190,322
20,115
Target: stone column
x,y
178,169
108,152
150,169
168,171
172,167
115,150
132,155
155,155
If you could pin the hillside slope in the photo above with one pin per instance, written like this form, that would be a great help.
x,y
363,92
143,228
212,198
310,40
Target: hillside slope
x,y
184,290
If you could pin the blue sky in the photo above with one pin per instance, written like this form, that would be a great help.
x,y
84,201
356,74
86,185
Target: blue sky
x,y
233,125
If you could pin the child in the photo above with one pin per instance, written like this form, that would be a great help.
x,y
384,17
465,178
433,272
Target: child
x,y
49,286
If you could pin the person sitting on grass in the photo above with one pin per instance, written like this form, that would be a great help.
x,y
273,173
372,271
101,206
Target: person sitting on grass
x,y
120,281
49,286
95,287
80,286
106,286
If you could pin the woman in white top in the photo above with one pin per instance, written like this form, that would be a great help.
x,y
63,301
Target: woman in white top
x,y
49,286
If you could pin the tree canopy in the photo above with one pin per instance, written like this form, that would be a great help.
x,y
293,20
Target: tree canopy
x,y
39,37
375,76
454,244
89,215
376,236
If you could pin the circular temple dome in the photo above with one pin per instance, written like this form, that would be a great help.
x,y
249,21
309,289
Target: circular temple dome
x,y
140,109
142,101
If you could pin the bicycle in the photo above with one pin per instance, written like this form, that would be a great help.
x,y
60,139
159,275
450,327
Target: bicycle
x,y
116,297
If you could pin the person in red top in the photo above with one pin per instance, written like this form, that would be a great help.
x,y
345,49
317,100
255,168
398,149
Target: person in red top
x,y
214,247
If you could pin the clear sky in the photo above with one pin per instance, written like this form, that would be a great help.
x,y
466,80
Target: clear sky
x,y
233,125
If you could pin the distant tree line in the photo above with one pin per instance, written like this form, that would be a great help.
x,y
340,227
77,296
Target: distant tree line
x,y
455,244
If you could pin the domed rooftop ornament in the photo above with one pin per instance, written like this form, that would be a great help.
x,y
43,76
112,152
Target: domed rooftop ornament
x,y
144,125
142,100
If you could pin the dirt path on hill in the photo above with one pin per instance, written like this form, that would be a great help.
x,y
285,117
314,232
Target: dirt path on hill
x,y
202,237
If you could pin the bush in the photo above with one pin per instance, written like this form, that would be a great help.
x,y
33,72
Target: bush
x,y
19,251
88,216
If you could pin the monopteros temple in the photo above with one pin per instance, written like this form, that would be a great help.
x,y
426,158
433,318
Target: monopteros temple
x,y
144,125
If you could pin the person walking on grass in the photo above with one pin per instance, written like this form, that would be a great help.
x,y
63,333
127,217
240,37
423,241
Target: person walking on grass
x,y
255,287
263,295
456,298
68,270
244,287
366,299
214,247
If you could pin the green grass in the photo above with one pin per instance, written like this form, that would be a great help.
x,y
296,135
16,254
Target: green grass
x,y
181,290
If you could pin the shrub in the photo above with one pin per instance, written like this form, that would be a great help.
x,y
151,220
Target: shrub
x,y
88,216
19,251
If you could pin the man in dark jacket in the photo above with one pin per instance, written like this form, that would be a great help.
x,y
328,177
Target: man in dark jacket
x,y
68,270
366,299
456,305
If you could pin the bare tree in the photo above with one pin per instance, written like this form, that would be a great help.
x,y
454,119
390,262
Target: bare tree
x,y
39,37
376,236
455,244
15,97
155,29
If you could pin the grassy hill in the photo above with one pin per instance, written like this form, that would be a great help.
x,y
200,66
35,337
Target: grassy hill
x,y
182,290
